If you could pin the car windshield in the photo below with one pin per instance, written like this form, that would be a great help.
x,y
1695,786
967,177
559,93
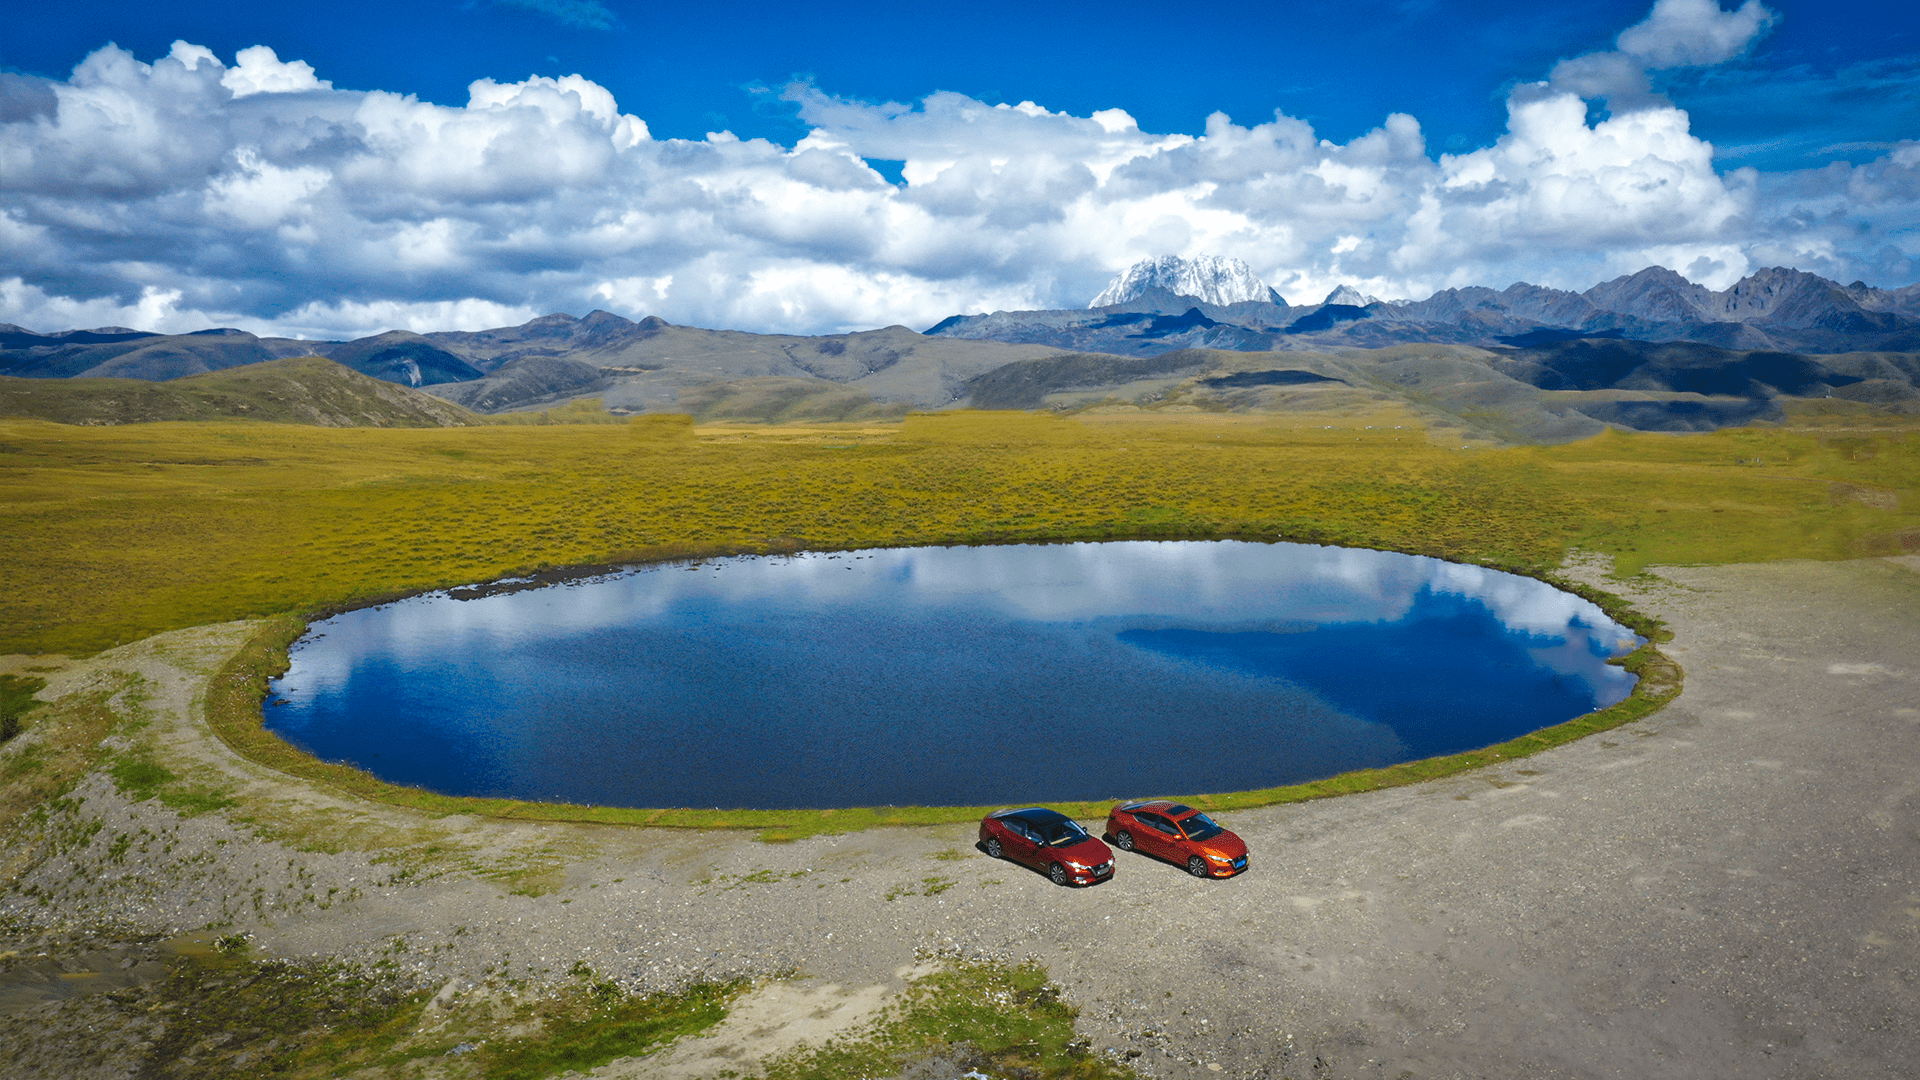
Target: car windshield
x,y
1201,827
1062,833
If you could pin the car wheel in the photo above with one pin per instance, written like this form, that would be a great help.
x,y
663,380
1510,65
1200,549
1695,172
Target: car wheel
x,y
1125,840
1058,873
994,849
1197,866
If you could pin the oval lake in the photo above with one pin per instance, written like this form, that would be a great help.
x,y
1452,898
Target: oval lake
x,y
947,676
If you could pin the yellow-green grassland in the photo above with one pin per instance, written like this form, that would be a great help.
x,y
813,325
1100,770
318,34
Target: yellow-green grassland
x,y
114,533
560,938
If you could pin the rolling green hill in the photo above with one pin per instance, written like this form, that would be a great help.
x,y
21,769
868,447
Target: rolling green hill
x,y
303,390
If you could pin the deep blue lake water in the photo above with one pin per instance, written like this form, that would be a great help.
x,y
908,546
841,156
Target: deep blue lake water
x,y
948,676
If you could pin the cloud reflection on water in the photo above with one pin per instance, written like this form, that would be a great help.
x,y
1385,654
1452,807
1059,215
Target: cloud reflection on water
x,y
690,653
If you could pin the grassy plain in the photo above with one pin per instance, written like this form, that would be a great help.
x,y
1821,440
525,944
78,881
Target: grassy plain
x,y
113,533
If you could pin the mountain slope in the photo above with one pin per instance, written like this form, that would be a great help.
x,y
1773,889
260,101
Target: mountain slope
x,y
403,357
1676,367
525,382
636,366
1026,384
306,390
654,365
130,355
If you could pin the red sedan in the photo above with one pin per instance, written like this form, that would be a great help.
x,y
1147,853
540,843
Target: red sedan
x,y
1049,841
1179,834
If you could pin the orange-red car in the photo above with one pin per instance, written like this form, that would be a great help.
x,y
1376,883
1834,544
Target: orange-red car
x,y
1048,841
1178,834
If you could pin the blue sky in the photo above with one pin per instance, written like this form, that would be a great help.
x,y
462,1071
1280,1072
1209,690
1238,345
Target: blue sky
x,y
1775,133
1842,74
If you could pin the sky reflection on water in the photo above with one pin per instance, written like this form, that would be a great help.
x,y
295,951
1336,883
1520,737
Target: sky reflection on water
x,y
948,676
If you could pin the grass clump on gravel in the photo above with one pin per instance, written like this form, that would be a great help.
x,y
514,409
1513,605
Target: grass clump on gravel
x,y
62,744
224,1015
16,700
586,1030
980,1016
229,1016
140,777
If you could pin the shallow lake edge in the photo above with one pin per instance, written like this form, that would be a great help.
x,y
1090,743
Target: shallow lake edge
x,y
237,692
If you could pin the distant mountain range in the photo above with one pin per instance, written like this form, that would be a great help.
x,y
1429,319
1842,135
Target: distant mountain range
x,y
1777,309
639,366
1651,351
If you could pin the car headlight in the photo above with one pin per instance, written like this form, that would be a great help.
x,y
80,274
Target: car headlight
x,y
1078,866
1219,858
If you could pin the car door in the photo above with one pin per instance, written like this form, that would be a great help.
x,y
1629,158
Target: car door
x,y
1145,837
1161,837
1024,844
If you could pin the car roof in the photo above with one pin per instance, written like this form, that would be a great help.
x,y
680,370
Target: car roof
x,y
1164,807
1034,815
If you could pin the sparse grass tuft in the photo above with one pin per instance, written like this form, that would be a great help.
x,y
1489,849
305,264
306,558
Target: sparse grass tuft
x,y
16,700
138,776
994,1018
65,744
590,1029
223,1015
226,1016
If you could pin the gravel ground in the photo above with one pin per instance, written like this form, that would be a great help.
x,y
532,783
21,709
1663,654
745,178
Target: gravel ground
x,y
1729,888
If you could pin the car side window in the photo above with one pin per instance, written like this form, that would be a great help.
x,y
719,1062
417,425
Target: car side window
x,y
1160,823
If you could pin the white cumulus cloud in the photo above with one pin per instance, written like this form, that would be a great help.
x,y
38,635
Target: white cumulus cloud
x,y
1676,33
1687,33
185,193
258,70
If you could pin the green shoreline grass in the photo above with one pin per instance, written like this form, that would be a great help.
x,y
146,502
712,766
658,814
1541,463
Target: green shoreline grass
x,y
237,692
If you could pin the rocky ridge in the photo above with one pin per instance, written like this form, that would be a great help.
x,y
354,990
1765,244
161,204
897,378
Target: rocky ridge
x,y
1776,309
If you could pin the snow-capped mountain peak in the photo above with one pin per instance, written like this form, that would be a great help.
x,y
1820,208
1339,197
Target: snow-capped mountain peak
x,y
1347,294
1207,278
